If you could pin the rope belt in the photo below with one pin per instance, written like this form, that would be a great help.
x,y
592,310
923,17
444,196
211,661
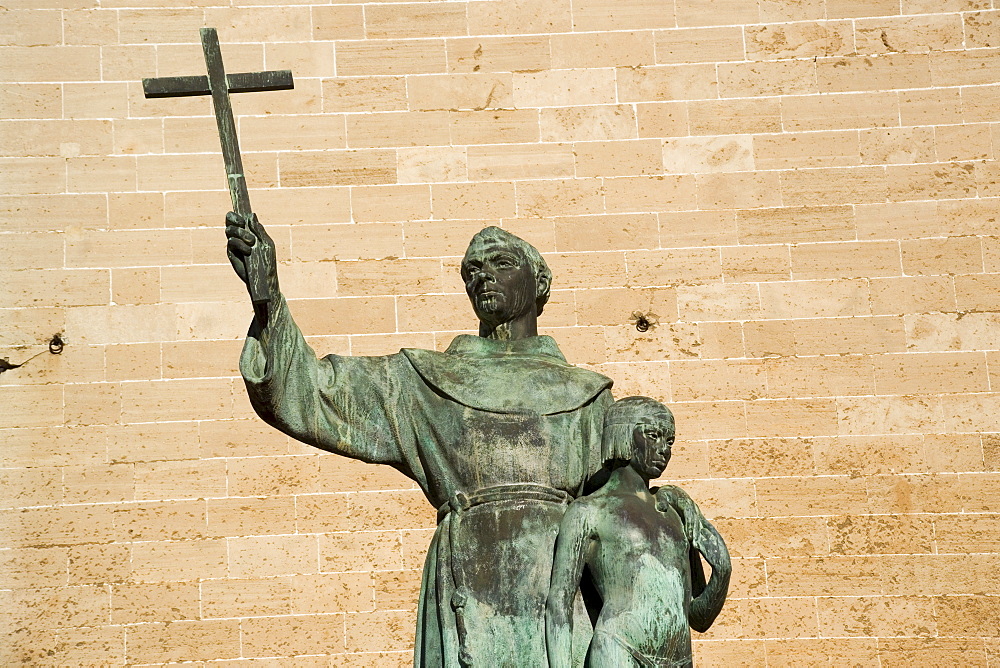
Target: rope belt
x,y
512,492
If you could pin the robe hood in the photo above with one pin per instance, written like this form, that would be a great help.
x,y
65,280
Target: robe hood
x,y
527,376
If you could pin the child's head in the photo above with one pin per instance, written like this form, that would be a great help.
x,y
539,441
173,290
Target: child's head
x,y
638,431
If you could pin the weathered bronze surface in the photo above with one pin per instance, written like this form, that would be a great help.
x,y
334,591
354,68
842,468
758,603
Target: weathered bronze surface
x,y
640,549
219,85
501,434
243,82
499,431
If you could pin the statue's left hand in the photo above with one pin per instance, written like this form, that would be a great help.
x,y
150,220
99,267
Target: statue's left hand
x,y
676,498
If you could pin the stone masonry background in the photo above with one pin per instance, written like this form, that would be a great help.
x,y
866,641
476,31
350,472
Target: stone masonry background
x,y
804,192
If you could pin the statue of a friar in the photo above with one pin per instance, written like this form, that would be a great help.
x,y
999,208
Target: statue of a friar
x,y
499,432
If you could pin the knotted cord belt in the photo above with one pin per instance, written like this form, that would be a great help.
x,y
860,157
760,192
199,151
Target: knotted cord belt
x,y
513,492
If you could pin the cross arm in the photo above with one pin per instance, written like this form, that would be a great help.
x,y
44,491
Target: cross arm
x,y
242,82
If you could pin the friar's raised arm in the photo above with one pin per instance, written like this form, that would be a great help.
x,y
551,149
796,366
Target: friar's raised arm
x,y
347,405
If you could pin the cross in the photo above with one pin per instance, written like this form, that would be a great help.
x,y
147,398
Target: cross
x,y
219,85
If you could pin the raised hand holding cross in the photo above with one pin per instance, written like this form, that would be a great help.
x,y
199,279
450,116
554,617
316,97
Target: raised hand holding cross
x,y
218,84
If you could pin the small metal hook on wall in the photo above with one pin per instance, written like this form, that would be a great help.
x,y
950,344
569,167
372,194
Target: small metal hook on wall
x,y
56,345
645,321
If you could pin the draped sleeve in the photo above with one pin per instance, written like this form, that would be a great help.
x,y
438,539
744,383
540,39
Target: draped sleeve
x,y
352,406
595,426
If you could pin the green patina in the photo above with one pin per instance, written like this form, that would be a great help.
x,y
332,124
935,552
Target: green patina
x,y
499,432
641,550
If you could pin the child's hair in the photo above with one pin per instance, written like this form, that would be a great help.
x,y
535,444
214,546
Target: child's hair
x,y
620,421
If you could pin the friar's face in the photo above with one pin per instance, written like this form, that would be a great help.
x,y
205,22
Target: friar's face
x,y
499,280
653,438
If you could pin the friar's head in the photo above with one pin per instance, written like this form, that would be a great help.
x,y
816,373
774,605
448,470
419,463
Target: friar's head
x,y
639,432
507,282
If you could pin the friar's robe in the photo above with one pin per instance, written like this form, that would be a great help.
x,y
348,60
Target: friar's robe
x,y
499,435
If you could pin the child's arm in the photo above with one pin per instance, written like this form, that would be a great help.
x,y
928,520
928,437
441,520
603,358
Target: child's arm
x,y
567,568
707,602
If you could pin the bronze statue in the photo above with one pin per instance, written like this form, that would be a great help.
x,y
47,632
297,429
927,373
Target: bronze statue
x,y
641,549
499,431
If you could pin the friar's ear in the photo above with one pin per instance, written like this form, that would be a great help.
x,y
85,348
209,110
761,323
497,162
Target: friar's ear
x,y
543,282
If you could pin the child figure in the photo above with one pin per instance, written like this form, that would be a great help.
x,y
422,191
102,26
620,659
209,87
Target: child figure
x,y
642,549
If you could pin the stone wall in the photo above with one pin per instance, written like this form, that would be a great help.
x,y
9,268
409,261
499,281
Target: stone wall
x,y
804,192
